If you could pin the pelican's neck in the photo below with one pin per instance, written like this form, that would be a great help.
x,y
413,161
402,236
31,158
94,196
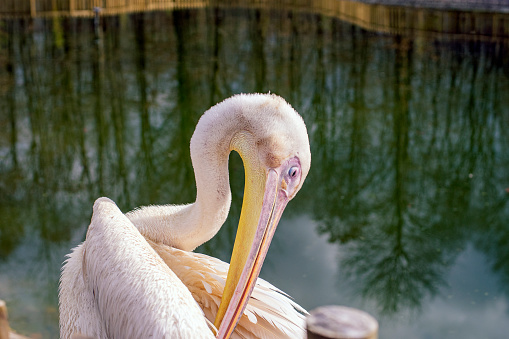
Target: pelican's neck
x,y
188,226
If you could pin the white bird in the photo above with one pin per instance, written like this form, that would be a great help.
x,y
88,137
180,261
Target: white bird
x,y
135,275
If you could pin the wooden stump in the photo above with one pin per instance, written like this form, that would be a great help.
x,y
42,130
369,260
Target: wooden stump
x,y
4,324
338,322
5,330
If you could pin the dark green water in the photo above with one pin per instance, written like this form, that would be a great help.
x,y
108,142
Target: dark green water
x,y
405,212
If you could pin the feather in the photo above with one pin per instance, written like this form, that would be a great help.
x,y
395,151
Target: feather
x,y
270,312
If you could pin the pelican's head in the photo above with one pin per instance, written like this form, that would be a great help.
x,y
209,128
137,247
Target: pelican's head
x,y
271,136
272,140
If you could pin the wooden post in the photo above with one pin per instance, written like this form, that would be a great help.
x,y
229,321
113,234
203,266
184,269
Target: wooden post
x,y
338,322
5,330
4,324
33,8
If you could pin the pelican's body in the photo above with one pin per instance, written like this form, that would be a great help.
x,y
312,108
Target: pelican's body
x,y
135,277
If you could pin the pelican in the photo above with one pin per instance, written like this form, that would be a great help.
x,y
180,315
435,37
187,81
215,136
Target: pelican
x,y
135,275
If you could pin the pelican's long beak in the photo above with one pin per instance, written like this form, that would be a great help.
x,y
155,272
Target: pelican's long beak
x,y
250,248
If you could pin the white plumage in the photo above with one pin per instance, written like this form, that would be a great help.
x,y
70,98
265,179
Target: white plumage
x,y
270,312
134,276
121,284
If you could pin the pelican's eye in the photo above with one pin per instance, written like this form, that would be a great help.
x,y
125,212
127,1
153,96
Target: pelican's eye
x,y
292,172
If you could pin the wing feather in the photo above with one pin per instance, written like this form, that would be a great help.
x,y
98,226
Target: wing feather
x,y
136,294
270,312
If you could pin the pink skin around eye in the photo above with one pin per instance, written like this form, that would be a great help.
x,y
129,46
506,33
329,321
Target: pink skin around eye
x,y
290,176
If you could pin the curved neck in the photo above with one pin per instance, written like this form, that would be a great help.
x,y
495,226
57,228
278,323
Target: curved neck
x,y
188,226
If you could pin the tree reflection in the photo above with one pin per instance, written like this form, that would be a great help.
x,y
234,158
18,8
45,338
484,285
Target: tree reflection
x,y
408,134
405,211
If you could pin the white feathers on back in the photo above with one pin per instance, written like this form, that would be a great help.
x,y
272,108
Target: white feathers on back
x,y
131,291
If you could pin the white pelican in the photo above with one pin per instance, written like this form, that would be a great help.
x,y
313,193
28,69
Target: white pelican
x,y
135,275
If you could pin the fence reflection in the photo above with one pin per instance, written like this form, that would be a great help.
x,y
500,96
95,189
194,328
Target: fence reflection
x,y
469,19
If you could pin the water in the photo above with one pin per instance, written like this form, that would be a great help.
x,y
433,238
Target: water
x,y
404,213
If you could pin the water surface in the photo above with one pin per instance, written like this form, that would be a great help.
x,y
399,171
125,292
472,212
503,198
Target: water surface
x,y
404,213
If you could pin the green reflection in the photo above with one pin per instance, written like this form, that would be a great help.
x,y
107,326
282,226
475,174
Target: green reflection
x,y
420,169
409,140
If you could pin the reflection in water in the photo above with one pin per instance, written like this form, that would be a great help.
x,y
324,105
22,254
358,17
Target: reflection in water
x,y
421,170
410,161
